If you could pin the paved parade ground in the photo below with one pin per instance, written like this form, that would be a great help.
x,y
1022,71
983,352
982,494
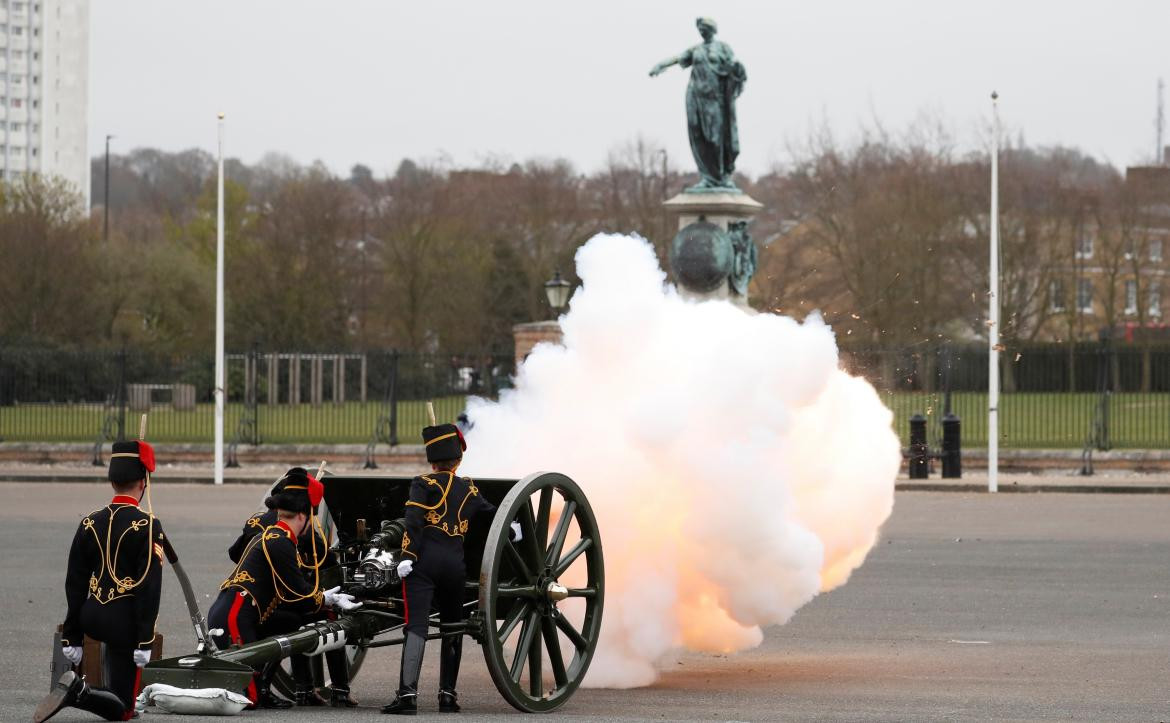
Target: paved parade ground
x,y
1014,606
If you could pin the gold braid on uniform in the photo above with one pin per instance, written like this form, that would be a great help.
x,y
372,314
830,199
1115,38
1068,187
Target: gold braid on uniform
x,y
123,585
279,586
237,575
315,526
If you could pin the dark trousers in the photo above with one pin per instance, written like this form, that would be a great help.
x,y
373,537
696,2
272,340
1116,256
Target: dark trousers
x,y
115,624
235,614
435,583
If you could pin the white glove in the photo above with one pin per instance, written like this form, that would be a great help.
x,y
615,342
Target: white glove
x,y
72,653
517,535
141,657
343,600
405,567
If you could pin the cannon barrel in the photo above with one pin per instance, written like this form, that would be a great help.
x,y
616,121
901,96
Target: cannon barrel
x,y
232,668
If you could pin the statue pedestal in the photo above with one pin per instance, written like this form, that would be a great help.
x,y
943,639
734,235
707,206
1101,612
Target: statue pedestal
x,y
719,208
698,255
529,335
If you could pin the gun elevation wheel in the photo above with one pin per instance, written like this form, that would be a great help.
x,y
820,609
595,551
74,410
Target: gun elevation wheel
x,y
541,597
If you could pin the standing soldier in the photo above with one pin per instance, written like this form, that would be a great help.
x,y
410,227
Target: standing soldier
x,y
313,556
112,585
433,572
268,593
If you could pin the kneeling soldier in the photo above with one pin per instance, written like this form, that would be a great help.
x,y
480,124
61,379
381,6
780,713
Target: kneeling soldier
x,y
267,594
112,585
438,516
314,557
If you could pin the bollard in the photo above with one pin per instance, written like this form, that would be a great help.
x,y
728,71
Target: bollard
x,y
952,461
919,460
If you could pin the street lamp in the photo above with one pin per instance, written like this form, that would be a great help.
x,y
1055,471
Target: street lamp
x,y
557,290
106,201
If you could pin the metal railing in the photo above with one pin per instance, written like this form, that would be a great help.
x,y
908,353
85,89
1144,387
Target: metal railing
x,y
1101,395
77,396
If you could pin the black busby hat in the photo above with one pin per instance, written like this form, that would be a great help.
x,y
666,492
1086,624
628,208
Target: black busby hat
x,y
297,491
444,442
130,461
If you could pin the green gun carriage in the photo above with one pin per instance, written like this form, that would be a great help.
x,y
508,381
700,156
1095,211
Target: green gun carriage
x,y
533,605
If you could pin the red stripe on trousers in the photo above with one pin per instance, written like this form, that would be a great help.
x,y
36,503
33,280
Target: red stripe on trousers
x,y
234,632
405,607
137,687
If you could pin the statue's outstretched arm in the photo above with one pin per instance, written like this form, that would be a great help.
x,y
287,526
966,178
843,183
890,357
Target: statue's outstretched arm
x,y
666,64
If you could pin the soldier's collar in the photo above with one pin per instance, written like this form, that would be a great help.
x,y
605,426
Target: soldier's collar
x,y
284,526
124,500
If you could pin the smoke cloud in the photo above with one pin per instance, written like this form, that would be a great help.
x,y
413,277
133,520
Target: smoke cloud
x,y
734,469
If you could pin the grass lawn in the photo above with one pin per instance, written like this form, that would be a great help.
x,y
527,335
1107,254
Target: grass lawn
x,y
1040,420
1027,420
351,422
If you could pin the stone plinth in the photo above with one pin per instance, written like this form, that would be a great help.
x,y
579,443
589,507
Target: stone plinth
x,y
712,244
718,208
529,335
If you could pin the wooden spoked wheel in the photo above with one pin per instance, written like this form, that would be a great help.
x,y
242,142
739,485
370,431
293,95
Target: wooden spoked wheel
x,y
541,597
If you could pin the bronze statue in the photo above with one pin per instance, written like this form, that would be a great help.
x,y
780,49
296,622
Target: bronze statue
x,y
717,79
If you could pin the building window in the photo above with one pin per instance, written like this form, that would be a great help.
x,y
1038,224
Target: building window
x,y
1156,249
1085,296
1084,246
17,103
1056,295
1131,297
17,127
1155,298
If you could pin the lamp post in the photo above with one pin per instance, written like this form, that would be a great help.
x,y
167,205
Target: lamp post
x,y
106,202
557,291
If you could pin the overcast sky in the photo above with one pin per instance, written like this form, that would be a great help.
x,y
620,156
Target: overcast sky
x,y
374,81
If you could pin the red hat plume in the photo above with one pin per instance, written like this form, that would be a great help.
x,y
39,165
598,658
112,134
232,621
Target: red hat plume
x,y
316,490
146,455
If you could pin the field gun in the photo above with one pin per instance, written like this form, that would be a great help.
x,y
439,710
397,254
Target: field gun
x,y
533,605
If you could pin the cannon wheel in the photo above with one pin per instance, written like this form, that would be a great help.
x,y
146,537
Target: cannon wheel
x,y
520,578
283,683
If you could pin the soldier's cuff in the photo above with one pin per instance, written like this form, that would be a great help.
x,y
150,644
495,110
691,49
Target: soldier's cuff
x,y
147,645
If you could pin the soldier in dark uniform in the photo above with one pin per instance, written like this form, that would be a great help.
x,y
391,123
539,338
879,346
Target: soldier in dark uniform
x,y
113,585
438,515
268,593
314,557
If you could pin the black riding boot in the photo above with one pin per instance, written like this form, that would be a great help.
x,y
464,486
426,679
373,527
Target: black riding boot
x,y
265,698
449,655
302,673
406,702
338,663
72,690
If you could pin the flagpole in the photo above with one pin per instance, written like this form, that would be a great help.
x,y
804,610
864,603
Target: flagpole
x,y
220,384
993,312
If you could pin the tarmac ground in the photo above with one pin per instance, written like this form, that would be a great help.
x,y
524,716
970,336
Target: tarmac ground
x,y
971,607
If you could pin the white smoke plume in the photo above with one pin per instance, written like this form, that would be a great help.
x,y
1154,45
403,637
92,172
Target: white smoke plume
x,y
734,469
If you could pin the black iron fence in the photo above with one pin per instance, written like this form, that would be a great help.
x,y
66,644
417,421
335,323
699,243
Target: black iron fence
x,y
345,397
1100,395
1089,395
